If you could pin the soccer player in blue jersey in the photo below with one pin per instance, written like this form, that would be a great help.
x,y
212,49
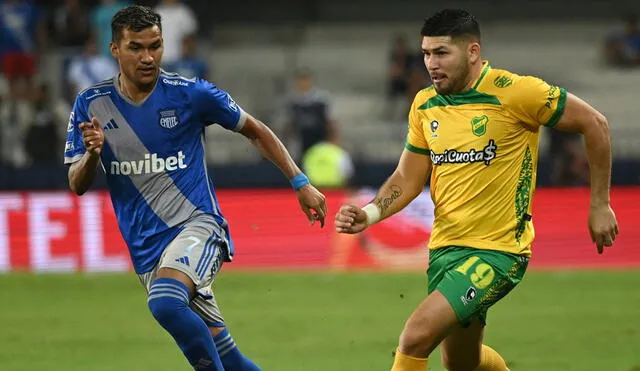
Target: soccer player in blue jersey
x,y
146,128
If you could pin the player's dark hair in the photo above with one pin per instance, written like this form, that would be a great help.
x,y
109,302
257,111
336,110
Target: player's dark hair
x,y
456,23
135,18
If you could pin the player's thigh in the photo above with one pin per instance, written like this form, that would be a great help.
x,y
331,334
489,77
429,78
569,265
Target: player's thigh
x,y
205,305
198,253
194,256
461,349
428,325
473,280
204,302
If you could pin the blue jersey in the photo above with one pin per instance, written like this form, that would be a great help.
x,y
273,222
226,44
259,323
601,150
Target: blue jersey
x,y
154,157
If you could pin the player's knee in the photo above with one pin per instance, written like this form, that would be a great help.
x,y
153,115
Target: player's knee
x,y
162,309
468,362
166,298
417,342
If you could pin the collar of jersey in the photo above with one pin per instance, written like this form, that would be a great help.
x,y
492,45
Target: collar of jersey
x,y
469,96
116,84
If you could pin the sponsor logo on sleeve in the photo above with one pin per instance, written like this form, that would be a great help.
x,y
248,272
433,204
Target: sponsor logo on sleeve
x,y
232,104
551,96
70,124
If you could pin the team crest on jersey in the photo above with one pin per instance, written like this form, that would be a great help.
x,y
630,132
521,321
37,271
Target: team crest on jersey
x,y
502,81
169,118
479,125
434,126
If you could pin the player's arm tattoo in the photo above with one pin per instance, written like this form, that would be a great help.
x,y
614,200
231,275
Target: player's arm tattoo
x,y
384,201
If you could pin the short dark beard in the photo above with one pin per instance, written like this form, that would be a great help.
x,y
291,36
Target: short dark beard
x,y
463,73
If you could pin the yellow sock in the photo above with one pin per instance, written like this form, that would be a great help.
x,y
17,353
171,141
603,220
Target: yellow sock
x,y
403,362
490,360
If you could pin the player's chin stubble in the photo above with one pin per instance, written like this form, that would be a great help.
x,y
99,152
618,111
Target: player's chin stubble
x,y
455,83
445,89
147,82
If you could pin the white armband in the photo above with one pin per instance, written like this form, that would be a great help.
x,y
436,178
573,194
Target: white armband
x,y
373,213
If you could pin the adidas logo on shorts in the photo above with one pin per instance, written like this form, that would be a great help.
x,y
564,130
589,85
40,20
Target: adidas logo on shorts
x,y
184,260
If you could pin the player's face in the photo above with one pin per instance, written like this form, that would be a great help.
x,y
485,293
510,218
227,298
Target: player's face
x,y
447,62
139,55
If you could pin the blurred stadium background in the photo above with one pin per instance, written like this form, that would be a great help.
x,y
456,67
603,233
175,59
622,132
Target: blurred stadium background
x,y
296,297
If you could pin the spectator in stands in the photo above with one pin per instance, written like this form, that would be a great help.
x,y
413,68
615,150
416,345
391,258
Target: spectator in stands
x,y
90,67
43,137
3,127
16,115
101,21
407,76
71,25
21,40
569,165
309,115
190,63
328,165
400,66
622,47
178,21
418,79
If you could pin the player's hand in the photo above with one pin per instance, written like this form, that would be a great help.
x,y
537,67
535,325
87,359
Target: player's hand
x,y
350,219
313,203
92,136
603,226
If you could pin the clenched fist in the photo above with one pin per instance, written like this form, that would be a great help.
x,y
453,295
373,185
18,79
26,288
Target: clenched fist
x,y
350,219
92,136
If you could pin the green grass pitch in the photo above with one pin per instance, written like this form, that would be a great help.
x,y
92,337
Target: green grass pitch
x,y
315,321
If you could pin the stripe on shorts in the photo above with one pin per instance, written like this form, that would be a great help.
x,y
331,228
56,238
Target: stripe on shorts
x,y
207,256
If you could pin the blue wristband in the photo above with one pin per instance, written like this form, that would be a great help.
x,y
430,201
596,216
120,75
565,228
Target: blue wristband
x,y
299,181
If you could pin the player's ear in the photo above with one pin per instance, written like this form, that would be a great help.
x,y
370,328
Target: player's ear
x,y
114,50
473,50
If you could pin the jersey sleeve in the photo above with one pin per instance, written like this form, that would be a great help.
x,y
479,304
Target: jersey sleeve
x,y
74,148
217,107
416,141
537,103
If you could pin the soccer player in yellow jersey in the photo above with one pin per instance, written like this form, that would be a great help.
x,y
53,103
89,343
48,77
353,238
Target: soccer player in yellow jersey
x,y
476,130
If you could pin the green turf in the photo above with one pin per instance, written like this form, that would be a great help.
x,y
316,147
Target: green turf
x,y
307,322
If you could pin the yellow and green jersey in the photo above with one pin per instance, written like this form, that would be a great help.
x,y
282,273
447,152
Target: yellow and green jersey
x,y
483,144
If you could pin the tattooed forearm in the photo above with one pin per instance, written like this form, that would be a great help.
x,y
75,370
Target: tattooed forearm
x,y
385,201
